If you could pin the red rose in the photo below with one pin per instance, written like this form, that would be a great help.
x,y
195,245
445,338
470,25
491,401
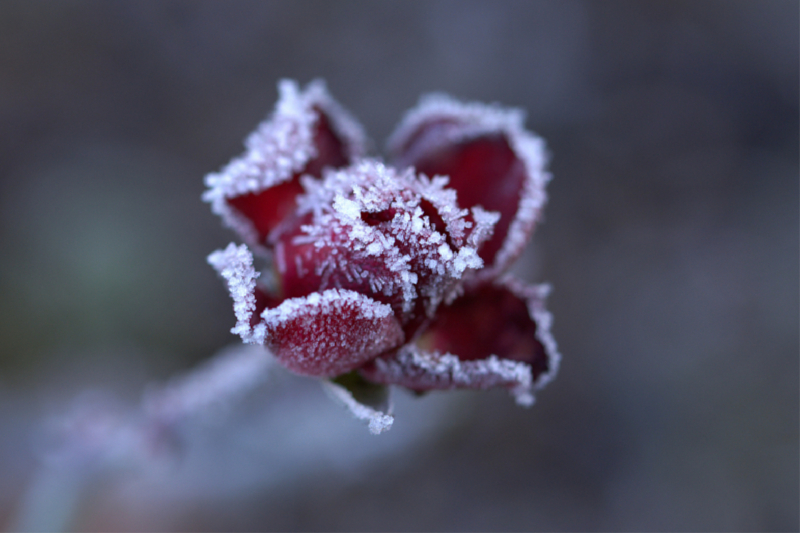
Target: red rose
x,y
396,272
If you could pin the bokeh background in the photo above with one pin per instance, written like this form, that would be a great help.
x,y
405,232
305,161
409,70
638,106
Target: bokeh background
x,y
671,240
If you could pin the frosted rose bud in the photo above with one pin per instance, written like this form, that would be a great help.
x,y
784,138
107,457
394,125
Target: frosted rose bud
x,y
389,273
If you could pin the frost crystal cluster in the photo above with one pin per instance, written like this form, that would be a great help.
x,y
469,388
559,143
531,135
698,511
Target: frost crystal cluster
x,y
388,273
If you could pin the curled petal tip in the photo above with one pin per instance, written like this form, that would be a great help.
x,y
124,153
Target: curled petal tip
x,y
307,131
365,401
489,159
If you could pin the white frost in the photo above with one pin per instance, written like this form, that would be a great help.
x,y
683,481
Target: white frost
x,y
348,208
330,333
415,367
535,297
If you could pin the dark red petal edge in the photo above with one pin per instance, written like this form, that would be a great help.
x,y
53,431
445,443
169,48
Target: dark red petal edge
x,y
440,122
284,145
488,319
418,369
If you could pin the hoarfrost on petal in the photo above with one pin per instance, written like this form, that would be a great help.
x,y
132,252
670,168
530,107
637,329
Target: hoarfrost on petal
x,y
330,333
490,159
494,335
305,125
506,318
348,208
535,296
484,224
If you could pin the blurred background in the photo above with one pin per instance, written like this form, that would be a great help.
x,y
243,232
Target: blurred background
x,y
671,240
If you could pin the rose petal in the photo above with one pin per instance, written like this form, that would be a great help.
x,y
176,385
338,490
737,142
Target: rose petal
x,y
491,161
494,330
307,131
330,333
506,318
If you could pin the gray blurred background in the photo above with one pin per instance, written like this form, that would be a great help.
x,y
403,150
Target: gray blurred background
x,y
671,240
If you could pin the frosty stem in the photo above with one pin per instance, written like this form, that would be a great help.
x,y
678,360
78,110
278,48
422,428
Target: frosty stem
x,y
97,436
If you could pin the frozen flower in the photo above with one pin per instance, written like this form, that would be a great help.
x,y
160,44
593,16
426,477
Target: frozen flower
x,y
392,274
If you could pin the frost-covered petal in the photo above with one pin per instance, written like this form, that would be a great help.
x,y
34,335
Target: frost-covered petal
x,y
329,333
493,335
306,132
491,161
506,318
